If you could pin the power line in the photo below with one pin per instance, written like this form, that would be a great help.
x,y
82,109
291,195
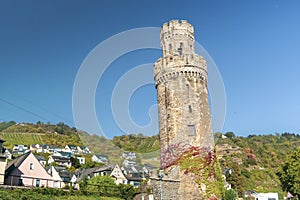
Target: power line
x,y
23,109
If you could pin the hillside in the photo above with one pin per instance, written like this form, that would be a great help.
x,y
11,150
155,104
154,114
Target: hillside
x,y
39,133
146,148
101,145
253,160
137,143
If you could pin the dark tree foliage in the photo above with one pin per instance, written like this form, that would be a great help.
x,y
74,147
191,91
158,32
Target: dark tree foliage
x,y
230,135
5,125
289,173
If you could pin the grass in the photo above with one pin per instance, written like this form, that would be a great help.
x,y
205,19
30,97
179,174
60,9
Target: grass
x,y
36,195
85,198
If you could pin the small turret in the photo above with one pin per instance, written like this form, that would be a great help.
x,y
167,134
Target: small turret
x,y
177,38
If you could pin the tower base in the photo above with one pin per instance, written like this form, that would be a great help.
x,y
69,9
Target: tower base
x,y
175,186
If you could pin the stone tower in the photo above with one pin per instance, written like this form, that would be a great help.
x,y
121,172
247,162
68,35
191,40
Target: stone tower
x,y
183,107
181,83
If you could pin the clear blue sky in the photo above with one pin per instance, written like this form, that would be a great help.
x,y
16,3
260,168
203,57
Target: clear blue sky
x,y
255,44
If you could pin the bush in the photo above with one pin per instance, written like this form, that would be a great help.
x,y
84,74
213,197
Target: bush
x,y
127,191
230,195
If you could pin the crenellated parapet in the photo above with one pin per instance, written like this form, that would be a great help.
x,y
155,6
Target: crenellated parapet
x,y
186,73
173,66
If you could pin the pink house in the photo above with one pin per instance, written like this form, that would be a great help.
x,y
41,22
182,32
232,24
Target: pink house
x,y
26,170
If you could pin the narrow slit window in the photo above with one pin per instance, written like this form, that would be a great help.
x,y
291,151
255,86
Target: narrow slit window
x,y
190,109
31,166
179,51
191,130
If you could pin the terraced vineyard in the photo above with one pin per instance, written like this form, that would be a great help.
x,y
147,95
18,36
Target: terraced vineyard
x,y
27,134
22,138
150,144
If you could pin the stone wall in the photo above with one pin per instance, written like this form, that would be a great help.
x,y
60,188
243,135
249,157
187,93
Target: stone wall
x,y
168,189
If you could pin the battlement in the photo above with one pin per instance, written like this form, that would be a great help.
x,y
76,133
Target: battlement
x,y
177,38
191,63
177,24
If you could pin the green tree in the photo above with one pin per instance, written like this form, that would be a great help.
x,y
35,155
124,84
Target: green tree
x,y
236,179
127,191
289,173
230,195
101,184
83,184
217,135
230,135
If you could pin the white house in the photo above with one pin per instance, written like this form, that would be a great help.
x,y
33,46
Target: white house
x,y
129,155
266,196
62,161
99,158
129,163
112,170
60,175
83,150
19,149
81,160
71,148
63,154
8,154
26,170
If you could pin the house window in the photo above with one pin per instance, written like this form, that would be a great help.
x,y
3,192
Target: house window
x,y
191,130
31,166
55,184
136,184
37,183
20,182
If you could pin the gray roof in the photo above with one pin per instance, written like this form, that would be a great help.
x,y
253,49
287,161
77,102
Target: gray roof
x,y
15,163
81,173
40,158
60,159
71,146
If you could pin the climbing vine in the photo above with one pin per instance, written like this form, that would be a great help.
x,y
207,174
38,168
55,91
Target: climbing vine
x,y
200,163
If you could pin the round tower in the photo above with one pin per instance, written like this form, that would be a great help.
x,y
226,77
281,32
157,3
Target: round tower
x,y
181,82
187,154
